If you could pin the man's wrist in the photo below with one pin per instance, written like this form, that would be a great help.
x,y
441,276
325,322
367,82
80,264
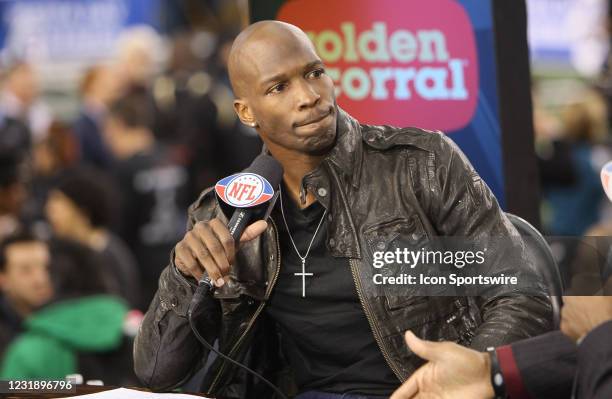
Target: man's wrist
x,y
487,388
496,377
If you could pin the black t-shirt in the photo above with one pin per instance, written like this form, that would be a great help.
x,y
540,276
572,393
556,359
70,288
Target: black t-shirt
x,y
325,335
154,194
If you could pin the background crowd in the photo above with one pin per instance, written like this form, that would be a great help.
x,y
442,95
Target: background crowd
x,y
95,183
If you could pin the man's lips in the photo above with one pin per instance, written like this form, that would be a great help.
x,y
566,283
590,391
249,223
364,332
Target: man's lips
x,y
315,119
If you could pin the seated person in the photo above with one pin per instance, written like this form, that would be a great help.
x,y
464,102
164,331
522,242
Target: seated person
x,y
24,282
81,330
297,301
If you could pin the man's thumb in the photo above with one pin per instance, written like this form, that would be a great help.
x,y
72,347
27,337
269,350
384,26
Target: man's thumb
x,y
424,349
254,230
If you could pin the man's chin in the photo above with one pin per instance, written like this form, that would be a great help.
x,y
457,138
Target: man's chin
x,y
321,144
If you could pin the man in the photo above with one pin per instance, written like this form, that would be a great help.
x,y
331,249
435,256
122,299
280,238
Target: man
x,y
24,282
20,99
337,335
575,359
99,88
82,208
153,187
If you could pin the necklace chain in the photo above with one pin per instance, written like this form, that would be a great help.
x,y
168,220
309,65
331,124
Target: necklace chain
x,y
303,258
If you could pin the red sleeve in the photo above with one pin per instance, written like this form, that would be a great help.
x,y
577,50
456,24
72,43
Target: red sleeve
x,y
512,376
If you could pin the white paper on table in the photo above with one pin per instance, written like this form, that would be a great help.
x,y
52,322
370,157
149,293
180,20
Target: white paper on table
x,y
124,393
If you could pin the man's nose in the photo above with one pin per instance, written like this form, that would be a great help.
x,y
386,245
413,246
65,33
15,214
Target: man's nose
x,y
41,277
307,95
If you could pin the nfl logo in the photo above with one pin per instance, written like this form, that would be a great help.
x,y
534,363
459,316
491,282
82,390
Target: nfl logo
x,y
244,190
606,179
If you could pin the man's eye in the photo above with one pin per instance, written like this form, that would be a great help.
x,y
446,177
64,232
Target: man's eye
x,y
277,88
316,73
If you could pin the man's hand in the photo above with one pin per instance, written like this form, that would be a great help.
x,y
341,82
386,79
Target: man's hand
x,y
452,371
210,247
581,314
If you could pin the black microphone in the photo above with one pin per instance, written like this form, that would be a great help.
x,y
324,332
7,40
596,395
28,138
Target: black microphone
x,y
247,190
244,194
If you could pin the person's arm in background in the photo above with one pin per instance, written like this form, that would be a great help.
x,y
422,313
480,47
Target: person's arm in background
x,y
461,205
541,367
166,352
535,368
588,320
594,379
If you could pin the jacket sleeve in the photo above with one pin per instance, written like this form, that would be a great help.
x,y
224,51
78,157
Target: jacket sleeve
x,y
541,367
594,379
462,206
166,352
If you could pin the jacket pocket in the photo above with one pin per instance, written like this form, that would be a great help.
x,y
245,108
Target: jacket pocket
x,y
391,247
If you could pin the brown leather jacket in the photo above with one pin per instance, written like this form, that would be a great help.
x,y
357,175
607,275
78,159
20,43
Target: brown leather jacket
x,y
379,182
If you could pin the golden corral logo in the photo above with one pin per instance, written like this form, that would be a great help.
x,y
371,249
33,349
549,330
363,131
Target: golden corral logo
x,y
395,62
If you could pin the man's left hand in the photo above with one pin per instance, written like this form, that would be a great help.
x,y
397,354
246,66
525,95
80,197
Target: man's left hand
x,y
581,314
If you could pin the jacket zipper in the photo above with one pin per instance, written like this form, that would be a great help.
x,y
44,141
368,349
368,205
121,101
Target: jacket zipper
x,y
373,325
256,314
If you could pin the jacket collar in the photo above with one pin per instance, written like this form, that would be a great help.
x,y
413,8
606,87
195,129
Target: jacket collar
x,y
346,154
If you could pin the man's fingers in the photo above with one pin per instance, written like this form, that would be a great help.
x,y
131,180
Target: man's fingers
x,y
225,238
254,230
214,247
186,263
409,389
204,257
424,349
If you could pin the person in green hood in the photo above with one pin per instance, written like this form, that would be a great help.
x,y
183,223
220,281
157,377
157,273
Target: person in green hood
x,y
81,320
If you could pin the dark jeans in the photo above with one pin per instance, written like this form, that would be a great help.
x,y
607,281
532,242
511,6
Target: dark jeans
x,y
327,395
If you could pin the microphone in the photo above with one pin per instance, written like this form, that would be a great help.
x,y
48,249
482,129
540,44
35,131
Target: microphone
x,y
243,194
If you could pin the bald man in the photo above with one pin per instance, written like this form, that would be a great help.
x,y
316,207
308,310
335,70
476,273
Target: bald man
x,y
296,300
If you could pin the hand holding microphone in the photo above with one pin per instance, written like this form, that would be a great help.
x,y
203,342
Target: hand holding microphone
x,y
211,245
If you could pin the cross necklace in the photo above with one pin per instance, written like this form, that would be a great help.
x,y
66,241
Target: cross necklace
x,y
303,274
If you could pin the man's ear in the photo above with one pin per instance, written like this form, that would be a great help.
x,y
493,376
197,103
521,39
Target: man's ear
x,y
244,113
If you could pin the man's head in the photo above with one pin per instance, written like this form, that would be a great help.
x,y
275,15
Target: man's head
x,y
24,274
21,81
82,201
282,89
129,121
101,85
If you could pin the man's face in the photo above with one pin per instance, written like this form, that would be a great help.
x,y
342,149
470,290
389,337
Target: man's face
x,y
66,219
289,94
24,84
25,279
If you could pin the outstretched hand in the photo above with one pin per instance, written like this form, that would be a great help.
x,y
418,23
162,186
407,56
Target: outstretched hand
x,y
452,371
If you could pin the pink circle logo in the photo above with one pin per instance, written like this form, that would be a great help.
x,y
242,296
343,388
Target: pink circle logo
x,y
401,63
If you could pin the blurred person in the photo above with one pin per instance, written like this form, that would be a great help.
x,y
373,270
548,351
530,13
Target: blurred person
x,y
14,153
12,194
140,53
575,207
19,99
575,362
25,283
153,187
50,158
99,87
236,144
81,330
82,207
186,116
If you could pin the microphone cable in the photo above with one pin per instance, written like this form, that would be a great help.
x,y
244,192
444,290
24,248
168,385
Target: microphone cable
x,y
203,290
